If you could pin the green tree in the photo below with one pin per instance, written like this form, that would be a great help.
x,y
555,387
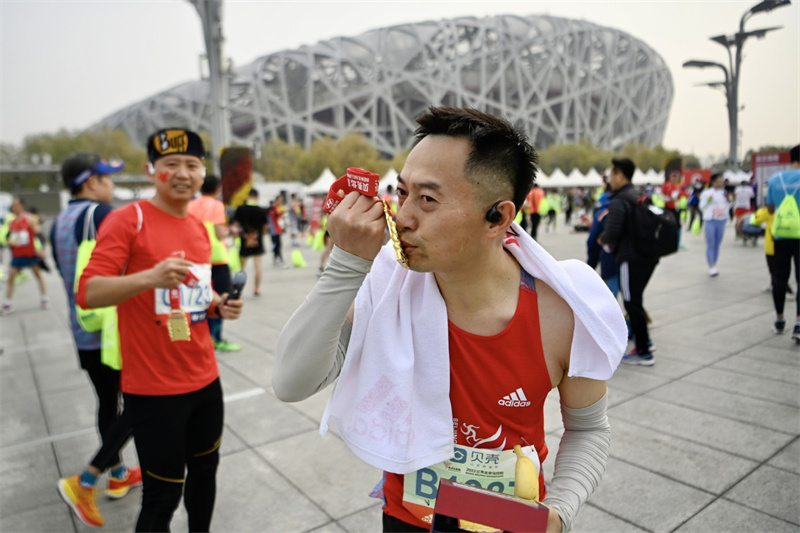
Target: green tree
x,y
282,162
111,144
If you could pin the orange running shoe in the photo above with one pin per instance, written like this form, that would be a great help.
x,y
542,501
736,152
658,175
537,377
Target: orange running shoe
x,y
81,500
118,488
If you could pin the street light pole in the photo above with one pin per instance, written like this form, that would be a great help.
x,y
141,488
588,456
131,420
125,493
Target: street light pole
x,y
210,12
733,73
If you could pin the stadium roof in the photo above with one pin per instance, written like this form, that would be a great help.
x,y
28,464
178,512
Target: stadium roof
x,y
560,80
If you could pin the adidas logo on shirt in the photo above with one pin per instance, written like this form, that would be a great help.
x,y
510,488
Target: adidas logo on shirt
x,y
515,399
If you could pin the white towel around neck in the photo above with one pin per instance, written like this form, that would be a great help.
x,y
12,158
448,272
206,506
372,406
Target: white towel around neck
x,y
391,404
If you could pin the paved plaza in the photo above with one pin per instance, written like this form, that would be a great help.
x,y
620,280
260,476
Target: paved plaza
x,y
706,440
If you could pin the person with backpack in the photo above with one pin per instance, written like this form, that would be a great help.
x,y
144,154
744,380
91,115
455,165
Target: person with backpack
x,y
89,180
636,263
714,204
783,194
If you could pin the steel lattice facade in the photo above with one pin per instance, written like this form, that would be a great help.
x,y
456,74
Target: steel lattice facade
x,y
560,80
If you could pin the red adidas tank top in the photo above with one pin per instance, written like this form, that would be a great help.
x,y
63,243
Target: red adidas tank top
x,y
498,386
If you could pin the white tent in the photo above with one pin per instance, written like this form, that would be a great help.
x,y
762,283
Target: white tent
x,y
390,178
556,179
574,178
639,177
593,178
737,177
321,185
653,178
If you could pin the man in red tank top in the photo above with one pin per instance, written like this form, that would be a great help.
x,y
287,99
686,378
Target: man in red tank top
x,y
459,193
23,229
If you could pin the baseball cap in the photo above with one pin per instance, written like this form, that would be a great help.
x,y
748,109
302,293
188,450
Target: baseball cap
x,y
77,168
174,141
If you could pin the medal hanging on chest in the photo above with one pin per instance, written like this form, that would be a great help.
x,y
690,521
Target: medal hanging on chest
x,y
178,323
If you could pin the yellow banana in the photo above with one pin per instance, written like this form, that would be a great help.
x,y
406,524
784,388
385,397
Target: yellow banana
x,y
526,477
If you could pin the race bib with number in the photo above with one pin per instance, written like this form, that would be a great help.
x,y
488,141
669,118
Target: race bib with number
x,y
194,300
19,238
488,469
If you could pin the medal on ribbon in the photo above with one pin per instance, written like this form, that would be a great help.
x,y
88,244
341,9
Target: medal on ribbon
x,y
366,183
178,323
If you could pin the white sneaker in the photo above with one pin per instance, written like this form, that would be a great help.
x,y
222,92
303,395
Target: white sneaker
x,y
45,303
7,308
713,272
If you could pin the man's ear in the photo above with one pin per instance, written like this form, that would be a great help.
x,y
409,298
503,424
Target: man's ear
x,y
501,215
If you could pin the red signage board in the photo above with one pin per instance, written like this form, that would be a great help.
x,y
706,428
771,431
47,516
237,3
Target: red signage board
x,y
766,165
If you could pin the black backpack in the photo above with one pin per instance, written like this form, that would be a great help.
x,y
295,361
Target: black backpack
x,y
654,231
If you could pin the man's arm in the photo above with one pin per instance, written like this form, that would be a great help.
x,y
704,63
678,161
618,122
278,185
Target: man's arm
x,y
102,291
583,450
312,344
614,223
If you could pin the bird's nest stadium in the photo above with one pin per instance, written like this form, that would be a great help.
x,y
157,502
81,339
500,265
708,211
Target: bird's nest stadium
x,y
559,80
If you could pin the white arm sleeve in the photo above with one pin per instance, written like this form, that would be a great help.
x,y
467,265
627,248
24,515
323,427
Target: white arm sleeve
x,y
581,459
313,343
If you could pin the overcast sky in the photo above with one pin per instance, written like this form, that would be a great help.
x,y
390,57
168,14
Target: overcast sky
x,y
67,64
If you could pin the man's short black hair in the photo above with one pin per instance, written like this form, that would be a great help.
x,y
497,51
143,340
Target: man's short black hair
x,y
498,149
74,166
794,154
210,184
625,166
253,193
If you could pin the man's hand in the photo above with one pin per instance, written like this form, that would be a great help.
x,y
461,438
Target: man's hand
x,y
230,309
357,225
169,273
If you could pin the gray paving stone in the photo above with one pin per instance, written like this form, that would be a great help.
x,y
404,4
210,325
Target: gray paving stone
x,y
20,489
702,428
231,443
616,397
590,519
332,527
62,375
70,409
264,419
755,387
670,346
252,496
788,458
763,369
774,416
250,362
16,381
315,465
21,420
314,407
724,516
647,500
696,465
782,356
636,380
772,491
52,517
366,521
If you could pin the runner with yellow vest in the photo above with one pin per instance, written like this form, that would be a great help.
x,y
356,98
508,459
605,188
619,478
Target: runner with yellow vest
x,y
211,212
